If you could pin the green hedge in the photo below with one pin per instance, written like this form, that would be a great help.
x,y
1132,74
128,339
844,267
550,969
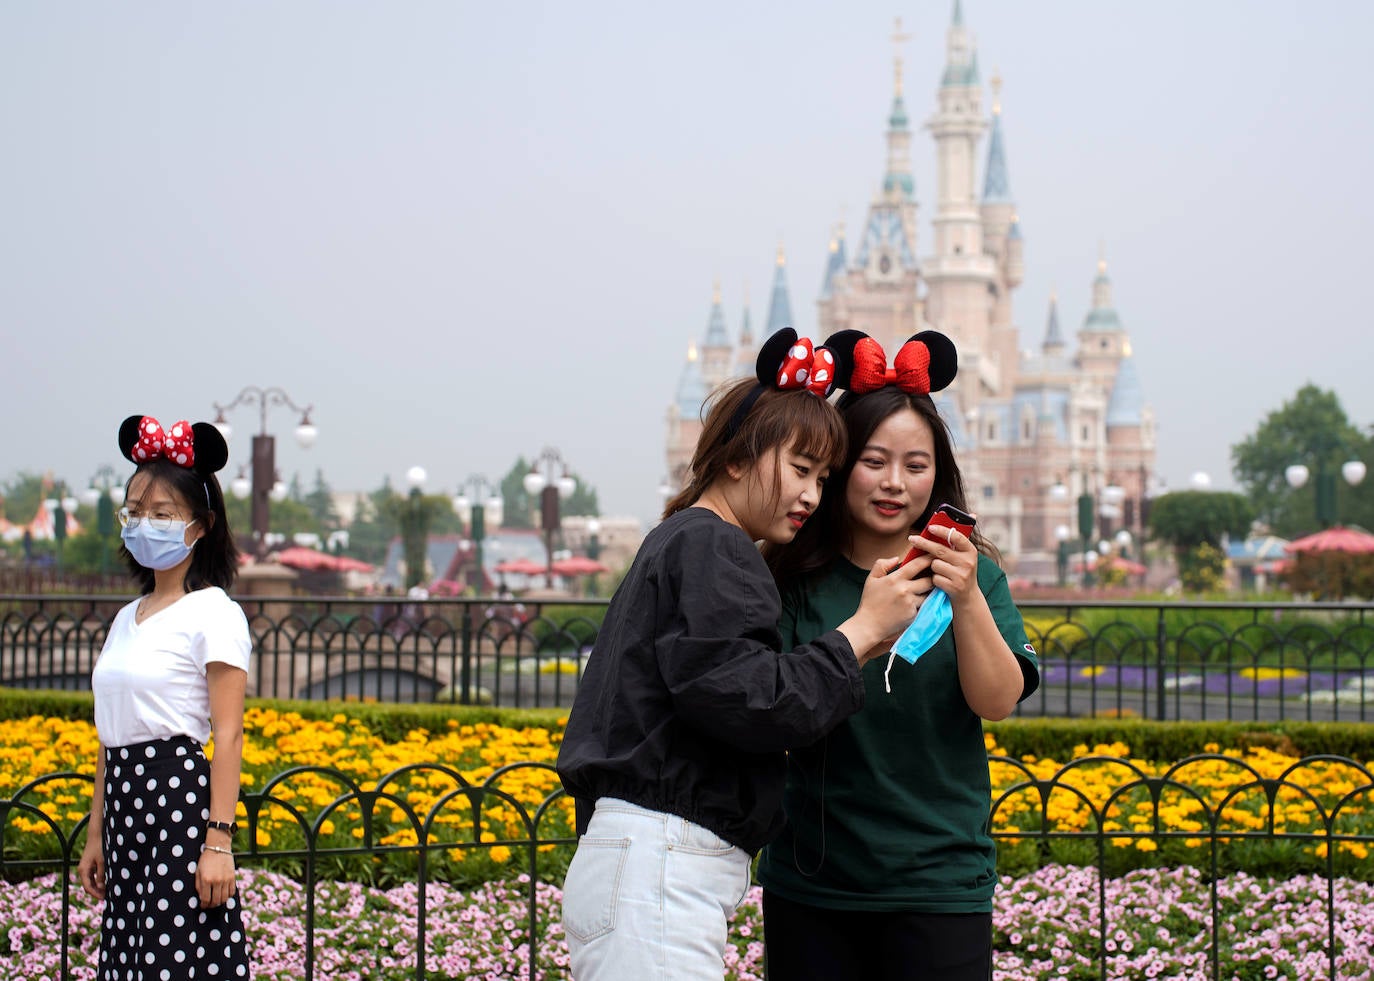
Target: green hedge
x,y
1160,741
1041,737
389,721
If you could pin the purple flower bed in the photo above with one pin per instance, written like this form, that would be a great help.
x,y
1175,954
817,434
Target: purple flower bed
x,y
1046,928
1212,679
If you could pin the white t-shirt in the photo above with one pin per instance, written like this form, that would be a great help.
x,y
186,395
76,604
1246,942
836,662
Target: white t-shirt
x,y
149,680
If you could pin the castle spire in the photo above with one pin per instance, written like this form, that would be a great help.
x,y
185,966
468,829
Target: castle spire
x,y
779,304
898,180
996,184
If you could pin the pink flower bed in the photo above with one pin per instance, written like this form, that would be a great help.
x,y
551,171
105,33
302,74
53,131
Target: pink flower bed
x,y
1046,928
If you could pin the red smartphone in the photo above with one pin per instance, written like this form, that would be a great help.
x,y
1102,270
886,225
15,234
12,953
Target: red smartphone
x,y
945,516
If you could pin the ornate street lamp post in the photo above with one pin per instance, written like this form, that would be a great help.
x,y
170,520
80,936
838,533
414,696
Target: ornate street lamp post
x,y
1352,471
265,486
551,490
105,494
414,521
1061,558
473,512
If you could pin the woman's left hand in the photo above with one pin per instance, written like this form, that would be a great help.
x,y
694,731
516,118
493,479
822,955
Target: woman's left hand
x,y
214,878
955,565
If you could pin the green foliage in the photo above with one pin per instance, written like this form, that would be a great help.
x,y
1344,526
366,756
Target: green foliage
x,y
582,500
1313,429
1202,568
521,510
82,553
1332,575
19,497
1186,519
320,501
1049,738
373,526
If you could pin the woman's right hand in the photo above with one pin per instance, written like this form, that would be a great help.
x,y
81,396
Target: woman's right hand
x,y
91,868
892,595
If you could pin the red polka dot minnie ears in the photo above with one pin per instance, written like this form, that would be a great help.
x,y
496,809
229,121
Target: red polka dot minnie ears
x,y
926,363
787,363
200,448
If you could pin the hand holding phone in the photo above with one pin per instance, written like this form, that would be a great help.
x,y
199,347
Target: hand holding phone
x,y
945,516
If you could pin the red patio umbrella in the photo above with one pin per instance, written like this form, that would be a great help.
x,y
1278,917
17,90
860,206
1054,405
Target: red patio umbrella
x,y
300,557
522,567
578,565
1337,539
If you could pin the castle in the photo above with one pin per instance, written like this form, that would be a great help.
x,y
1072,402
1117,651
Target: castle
x,y
1039,433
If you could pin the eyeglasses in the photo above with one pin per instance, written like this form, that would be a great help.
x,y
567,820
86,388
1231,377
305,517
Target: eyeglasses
x,y
158,520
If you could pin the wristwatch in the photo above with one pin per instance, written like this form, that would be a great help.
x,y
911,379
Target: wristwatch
x,y
231,828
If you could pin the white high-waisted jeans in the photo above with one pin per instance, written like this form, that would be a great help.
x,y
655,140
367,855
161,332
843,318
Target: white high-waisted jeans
x,y
649,897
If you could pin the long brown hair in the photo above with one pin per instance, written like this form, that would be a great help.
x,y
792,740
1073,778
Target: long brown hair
x,y
776,420
827,534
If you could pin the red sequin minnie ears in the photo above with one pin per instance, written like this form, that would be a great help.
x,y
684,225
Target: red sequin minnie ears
x,y
926,363
199,448
787,363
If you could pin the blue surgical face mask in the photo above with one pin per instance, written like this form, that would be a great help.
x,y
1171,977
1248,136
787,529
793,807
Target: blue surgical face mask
x,y
157,549
931,622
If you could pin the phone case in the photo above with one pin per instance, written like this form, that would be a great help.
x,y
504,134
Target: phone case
x,y
944,517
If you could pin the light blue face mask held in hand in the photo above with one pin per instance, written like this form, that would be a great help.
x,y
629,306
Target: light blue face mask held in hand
x,y
930,625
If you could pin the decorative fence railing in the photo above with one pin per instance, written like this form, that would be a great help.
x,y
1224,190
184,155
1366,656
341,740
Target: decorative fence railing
x,y
1254,661
1214,813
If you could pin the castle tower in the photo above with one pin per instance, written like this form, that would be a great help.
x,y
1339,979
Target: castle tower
x,y
717,351
746,354
779,303
962,278
1102,339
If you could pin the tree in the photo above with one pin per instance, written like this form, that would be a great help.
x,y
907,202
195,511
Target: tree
x,y
522,511
1194,523
320,501
582,500
1311,429
21,495
1187,519
372,529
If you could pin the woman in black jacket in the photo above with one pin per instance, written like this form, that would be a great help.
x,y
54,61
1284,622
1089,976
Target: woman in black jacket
x,y
674,747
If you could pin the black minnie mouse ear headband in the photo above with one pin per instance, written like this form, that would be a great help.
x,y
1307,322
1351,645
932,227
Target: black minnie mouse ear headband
x,y
200,448
786,363
926,363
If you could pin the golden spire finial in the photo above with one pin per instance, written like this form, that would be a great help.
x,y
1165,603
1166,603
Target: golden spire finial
x,y
996,83
691,350
898,39
715,291
839,228
1054,294
782,256
1101,257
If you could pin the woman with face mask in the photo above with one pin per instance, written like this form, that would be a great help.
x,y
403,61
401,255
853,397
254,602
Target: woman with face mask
x,y
160,844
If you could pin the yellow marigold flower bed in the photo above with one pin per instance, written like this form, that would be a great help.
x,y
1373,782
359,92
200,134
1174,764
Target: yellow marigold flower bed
x,y
338,782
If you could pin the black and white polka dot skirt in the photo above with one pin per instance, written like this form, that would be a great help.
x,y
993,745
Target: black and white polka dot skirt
x,y
157,800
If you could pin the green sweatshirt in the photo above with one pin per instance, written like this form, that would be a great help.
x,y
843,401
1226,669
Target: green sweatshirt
x,y
890,811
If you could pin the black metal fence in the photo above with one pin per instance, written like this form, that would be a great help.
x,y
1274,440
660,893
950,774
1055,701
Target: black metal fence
x,y
1226,661
1037,818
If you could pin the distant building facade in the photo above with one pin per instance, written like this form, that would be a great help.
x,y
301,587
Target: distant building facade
x,y
1034,429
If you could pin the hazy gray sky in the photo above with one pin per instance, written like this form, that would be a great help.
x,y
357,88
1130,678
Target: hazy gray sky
x,y
464,231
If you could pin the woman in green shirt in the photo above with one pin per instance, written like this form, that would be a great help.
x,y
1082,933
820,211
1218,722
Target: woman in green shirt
x,y
886,868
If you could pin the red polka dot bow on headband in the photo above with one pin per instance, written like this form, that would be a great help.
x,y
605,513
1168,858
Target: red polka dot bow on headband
x,y
926,363
198,447
177,444
806,367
